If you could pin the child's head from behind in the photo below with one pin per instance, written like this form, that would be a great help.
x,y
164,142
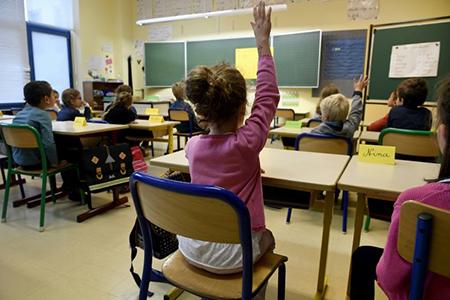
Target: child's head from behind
x,y
334,108
124,99
178,90
124,88
328,90
39,94
72,98
412,92
443,132
219,94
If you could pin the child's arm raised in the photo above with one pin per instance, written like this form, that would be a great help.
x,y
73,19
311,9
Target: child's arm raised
x,y
267,96
355,116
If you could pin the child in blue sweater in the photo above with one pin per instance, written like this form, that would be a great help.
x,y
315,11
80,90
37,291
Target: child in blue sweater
x,y
73,106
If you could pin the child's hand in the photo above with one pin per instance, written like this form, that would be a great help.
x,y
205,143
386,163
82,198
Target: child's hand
x,y
360,84
261,27
392,101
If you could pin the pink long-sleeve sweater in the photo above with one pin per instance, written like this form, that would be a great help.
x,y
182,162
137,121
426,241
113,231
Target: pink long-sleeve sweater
x,y
393,272
231,160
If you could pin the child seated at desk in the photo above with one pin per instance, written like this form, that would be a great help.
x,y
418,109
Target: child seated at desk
x,y
121,110
39,98
392,273
180,104
73,106
380,124
334,111
220,97
411,94
57,106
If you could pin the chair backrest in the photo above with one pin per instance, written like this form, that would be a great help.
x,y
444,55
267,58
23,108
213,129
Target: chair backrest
x,y
314,142
195,211
53,114
285,113
423,240
410,142
20,136
313,123
178,115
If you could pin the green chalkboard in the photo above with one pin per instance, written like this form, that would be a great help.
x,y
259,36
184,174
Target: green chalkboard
x,y
297,57
212,52
380,85
164,63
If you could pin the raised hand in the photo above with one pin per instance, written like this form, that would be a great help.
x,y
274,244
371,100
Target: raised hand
x,y
360,84
261,27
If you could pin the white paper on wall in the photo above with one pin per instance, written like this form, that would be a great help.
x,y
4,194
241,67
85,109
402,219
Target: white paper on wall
x,y
202,6
414,60
362,9
159,9
225,4
139,51
144,9
160,33
96,63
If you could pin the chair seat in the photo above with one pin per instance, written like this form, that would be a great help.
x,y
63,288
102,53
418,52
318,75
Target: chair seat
x,y
38,172
205,284
188,134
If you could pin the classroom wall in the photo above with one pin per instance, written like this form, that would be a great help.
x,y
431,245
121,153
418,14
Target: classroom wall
x,y
105,25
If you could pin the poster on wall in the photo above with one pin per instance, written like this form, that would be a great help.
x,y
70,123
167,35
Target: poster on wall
x,y
414,60
362,9
160,33
107,51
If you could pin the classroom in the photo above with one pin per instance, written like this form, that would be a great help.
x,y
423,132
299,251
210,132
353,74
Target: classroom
x,y
277,149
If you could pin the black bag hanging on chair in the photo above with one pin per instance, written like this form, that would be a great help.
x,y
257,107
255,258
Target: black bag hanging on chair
x,y
164,243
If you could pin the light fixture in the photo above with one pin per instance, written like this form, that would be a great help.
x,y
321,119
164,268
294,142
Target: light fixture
x,y
277,7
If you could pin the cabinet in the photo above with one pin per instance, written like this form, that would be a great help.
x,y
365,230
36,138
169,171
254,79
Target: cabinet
x,y
95,91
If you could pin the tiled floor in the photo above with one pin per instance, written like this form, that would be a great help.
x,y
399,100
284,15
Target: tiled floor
x,y
91,260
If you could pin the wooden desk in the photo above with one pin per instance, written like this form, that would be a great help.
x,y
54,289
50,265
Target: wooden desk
x,y
300,112
382,182
294,132
369,136
6,118
67,128
146,125
319,171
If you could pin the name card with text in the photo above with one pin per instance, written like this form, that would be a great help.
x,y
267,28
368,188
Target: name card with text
x,y
80,122
156,119
152,111
377,154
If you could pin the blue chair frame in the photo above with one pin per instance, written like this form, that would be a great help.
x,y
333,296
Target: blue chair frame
x,y
243,218
345,193
313,120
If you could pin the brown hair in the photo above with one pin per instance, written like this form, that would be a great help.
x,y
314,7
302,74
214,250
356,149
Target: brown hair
x,y
218,93
123,99
124,88
68,95
413,91
328,90
35,91
178,90
443,114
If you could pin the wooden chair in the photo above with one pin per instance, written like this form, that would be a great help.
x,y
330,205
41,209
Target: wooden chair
x,y
313,142
181,115
53,114
424,242
410,145
205,213
285,113
25,136
313,123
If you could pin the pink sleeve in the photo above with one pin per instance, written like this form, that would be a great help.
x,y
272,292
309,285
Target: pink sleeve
x,y
253,134
393,272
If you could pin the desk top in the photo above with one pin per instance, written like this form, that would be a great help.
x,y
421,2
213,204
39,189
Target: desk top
x,y
293,132
297,109
387,180
283,168
370,136
6,117
145,124
67,128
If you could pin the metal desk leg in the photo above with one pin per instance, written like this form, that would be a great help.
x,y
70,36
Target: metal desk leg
x,y
328,213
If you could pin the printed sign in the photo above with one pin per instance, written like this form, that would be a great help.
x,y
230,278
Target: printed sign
x,y
80,122
377,154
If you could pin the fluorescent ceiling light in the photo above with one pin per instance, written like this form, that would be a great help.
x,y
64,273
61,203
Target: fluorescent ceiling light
x,y
229,12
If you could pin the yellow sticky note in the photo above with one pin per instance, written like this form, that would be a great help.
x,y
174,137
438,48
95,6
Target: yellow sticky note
x,y
1,114
156,119
377,154
246,60
80,121
152,111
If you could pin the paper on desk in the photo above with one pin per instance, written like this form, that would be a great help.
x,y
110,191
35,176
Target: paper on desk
x,y
414,60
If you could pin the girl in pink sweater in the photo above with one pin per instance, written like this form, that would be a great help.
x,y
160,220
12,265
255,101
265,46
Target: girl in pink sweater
x,y
392,273
229,155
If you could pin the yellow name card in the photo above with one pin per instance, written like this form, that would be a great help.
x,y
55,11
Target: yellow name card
x,y
293,124
156,119
1,114
80,122
377,154
152,111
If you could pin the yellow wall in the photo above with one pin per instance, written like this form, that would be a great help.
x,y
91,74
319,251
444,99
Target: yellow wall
x,y
118,25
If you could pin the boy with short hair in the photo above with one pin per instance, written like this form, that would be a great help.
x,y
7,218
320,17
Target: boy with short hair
x,y
335,108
